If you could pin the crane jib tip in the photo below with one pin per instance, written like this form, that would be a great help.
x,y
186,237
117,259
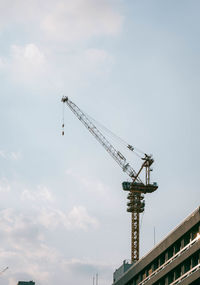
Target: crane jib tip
x,y
64,99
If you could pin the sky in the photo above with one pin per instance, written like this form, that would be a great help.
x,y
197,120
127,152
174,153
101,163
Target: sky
x,y
132,65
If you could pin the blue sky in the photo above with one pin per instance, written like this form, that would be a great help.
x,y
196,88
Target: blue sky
x,y
134,67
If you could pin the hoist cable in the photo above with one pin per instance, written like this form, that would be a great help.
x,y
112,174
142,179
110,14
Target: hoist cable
x,y
117,138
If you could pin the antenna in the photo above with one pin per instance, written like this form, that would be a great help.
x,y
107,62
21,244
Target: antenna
x,y
97,279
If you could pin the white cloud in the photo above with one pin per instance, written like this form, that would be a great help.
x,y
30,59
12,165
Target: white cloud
x,y
101,190
28,54
13,155
16,226
19,11
72,21
84,65
46,214
28,255
63,20
4,185
98,60
2,153
42,193
77,218
2,63
27,61
12,281
96,55
29,263
28,64
42,207
85,266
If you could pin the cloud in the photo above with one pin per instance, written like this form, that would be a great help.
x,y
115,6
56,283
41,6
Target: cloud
x,y
27,62
2,154
50,267
18,228
72,21
25,250
83,65
98,60
63,20
2,63
101,189
42,193
77,218
30,55
87,267
4,185
19,11
41,211
29,263
64,30
13,155
50,217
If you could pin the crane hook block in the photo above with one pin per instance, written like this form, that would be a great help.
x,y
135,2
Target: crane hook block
x,y
63,125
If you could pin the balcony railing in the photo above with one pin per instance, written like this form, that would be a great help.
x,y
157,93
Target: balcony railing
x,y
160,268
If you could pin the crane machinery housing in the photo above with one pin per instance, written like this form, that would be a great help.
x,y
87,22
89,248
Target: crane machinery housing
x,y
137,188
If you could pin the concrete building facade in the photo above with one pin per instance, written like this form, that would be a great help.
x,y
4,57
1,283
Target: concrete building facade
x,y
175,260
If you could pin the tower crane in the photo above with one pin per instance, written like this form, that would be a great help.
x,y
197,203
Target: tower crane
x,y
136,189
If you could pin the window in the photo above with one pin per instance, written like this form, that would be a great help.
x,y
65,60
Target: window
x,y
195,230
177,246
187,265
177,272
170,252
162,258
195,260
170,277
186,238
155,264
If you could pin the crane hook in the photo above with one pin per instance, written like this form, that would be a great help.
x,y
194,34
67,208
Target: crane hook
x,y
63,117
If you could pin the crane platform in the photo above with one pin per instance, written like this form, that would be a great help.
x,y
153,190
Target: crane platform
x,y
139,187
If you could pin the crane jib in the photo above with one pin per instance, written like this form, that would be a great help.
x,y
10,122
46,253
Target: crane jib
x,y
118,156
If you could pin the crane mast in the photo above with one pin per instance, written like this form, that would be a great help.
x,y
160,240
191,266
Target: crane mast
x,y
136,188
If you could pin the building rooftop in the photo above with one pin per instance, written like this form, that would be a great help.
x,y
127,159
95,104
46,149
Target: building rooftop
x,y
180,244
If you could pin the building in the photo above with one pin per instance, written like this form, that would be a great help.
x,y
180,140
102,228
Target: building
x,y
26,283
175,260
